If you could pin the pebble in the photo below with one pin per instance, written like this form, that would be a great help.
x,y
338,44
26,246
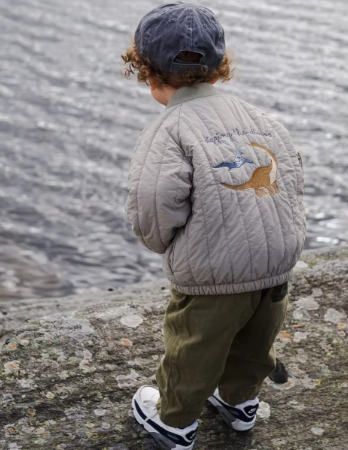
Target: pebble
x,y
334,316
317,431
132,321
264,410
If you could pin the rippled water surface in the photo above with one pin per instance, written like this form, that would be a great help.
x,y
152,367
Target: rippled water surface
x,y
69,121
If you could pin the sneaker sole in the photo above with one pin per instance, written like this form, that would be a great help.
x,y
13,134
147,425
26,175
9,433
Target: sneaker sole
x,y
162,442
235,424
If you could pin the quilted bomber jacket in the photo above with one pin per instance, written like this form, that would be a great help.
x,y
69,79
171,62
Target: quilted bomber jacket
x,y
216,186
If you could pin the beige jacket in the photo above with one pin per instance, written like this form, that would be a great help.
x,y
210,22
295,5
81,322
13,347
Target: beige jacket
x,y
216,186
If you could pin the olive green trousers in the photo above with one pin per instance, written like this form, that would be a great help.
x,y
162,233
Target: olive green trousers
x,y
211,341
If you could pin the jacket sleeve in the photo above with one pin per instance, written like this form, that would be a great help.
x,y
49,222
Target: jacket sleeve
x,y
160,182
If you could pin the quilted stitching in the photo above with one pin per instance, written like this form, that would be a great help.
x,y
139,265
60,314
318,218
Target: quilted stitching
x,y
187,233
209,249
221,207
158,177
205,226
296,253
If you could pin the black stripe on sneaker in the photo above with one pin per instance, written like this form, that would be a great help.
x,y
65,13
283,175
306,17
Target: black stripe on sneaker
x,y
247,416
171,436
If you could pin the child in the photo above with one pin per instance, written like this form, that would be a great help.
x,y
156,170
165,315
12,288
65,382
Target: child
x,y
216,186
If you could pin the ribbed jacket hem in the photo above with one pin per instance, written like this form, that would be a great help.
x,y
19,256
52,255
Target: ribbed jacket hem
x,y
234,288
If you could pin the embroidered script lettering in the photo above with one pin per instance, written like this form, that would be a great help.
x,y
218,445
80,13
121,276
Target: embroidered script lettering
x,y
218,137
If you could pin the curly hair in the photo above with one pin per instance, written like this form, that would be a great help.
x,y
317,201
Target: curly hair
x,y
136,64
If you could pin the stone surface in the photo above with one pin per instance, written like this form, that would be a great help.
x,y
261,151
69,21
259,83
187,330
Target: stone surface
x,y
13,313
66,380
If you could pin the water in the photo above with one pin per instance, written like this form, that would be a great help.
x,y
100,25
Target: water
x,y
69,121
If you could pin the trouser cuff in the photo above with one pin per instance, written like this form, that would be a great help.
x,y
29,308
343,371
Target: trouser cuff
x,y
239,397
179,421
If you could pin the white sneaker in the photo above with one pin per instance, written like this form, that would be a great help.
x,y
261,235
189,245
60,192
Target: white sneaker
x,y
241,417
168,438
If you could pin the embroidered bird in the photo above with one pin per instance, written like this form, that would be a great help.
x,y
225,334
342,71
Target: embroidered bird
x,y
239,161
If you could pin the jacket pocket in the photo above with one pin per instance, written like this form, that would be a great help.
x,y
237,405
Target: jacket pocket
x,y
279,292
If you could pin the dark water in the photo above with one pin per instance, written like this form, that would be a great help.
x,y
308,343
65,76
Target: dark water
x,y
69,121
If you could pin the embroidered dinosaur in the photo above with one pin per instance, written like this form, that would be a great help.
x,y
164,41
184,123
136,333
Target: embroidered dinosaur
x,y
238,162
262,178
